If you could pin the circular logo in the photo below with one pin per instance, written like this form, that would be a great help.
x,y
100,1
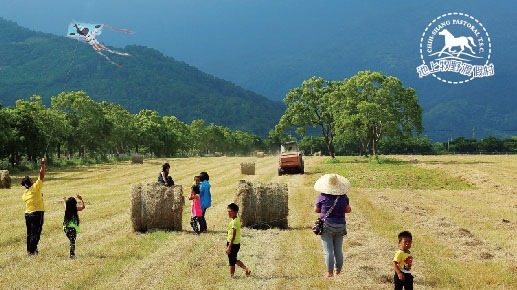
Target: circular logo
x,y
455,48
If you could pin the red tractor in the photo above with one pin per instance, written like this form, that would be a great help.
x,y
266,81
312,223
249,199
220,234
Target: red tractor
x,y
290,159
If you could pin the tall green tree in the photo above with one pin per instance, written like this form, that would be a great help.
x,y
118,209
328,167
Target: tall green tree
x,y
510,144
463,145
178,134
122,136
310,106
215,138
373,105
89,127
245,142
9,136
150,131
197,130
5,132
491,144
31,133
57,130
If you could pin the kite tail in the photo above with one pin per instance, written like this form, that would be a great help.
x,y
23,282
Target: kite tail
x,y
119,29
117,52
109,59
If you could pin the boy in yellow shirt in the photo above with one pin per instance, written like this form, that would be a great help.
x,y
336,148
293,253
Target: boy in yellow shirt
x,y
233,242
402,263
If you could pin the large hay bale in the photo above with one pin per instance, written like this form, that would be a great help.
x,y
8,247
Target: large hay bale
x,y
137,159
263,205
218,154
260,154
248,168
5,179
155,206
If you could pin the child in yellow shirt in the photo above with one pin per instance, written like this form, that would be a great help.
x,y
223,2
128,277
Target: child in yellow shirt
x,y
402,263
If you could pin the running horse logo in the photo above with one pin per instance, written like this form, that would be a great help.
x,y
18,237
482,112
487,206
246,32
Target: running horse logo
x,y
451,41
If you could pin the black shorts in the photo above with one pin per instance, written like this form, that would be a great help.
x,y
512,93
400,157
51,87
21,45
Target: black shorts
x,y
232,256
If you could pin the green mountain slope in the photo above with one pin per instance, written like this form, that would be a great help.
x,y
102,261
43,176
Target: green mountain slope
x,y
44,64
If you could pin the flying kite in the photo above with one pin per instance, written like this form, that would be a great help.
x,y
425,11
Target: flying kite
x,y
88,32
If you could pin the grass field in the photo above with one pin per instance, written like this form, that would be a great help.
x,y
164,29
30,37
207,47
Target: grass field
x,y
462,211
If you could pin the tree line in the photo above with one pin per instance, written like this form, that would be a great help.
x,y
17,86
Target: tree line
x,y
75,126
416,145
369,113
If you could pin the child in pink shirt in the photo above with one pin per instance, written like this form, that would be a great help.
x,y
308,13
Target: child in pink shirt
x,y
195,211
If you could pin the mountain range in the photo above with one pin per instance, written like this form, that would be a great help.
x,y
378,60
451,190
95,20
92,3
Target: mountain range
x,y
36,63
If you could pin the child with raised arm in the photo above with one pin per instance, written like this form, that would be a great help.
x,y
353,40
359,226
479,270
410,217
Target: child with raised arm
x,y
233,242
34,209
71,220
402,263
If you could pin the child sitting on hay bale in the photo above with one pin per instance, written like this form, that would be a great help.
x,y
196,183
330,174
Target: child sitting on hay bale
x,y
164,177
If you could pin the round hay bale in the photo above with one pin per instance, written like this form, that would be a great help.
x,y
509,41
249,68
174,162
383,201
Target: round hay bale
x,y
155,206
137,211
5,179
263,205
137,159
260,154
218,154
248,168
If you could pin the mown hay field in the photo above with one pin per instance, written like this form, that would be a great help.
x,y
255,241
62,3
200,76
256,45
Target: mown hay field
x,y
462,211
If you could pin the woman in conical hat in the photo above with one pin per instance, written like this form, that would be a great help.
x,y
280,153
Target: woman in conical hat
x,y
332,204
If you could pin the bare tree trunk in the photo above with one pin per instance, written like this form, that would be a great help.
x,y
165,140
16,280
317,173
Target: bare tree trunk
x,y
328,140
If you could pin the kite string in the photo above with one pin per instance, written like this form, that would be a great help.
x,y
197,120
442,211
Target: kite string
x,y
71,65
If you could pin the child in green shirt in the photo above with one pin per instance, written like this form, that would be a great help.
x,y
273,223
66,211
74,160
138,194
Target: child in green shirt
x,y
233,242
71,220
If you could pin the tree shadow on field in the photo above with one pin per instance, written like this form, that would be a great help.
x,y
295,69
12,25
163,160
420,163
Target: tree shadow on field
x,y
154,162
375,160
185,231
298,228
63,178
310,173
454,162
274,276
